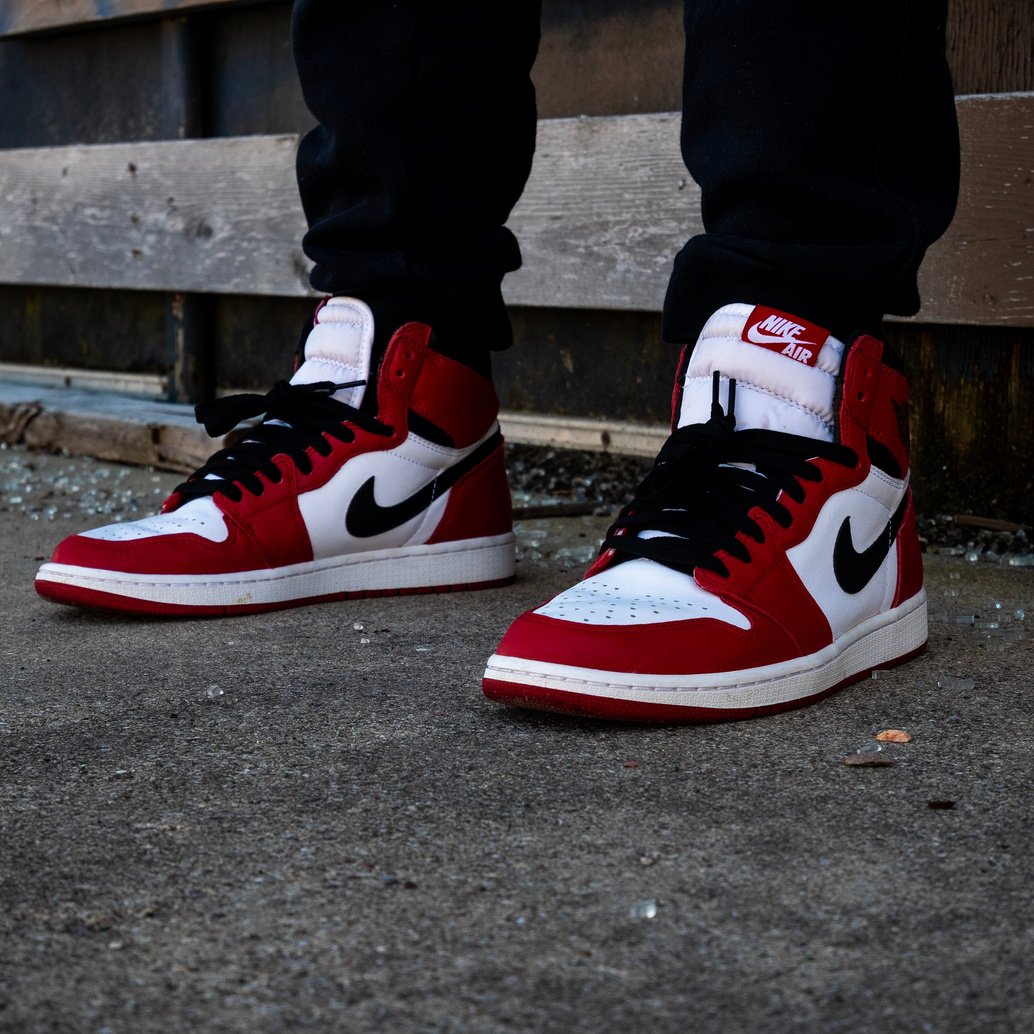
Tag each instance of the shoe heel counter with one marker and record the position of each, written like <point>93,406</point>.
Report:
<point>454,398</point>
<point>910,559</point>
<point>875,398</point>
<point>479,504</point>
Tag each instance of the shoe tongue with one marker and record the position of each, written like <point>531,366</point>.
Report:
<point>339,348</point>
<point>785,370</point>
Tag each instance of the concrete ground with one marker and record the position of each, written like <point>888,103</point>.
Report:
<point>313,820</point>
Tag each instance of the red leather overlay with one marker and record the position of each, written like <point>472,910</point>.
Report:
<point>164,554</point>
<point>769,591</point>
<point>449,394</point>
<point>479,504</point>
<point>679,387</point>
<point>455,398</point>
<point>910,560</point>
<point>272,520</point>
<point>875,397</point>
<point>668,648</point>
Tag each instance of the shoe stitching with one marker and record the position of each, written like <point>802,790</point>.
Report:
<point>333,362</point>
<point>793,403</point>
<point>887,479</point>
<point>876,499</point>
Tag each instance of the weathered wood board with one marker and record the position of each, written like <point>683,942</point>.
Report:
<point>114,426</point>
<point>982,270</point>
<point>610,203</point>
<point>194,215</point>
<point>607,206</point>
<point>108,426</point>
<point>18,17</point>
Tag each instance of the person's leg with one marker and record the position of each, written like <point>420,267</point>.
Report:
<point>425,138</point>
<point>379,468</point>
<point>823,138</point>
<point>771,556</point>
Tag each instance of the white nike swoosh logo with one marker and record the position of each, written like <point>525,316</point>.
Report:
<point>760,338</point>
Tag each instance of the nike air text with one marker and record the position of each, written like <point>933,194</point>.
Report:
<point>786,334</point>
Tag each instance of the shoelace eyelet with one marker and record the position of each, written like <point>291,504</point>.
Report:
<point>298,418</point>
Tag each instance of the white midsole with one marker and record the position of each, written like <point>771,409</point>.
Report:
<point>877,640</point>
<point>465,562</point>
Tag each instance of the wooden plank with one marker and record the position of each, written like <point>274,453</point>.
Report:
<point>982,270</point>
<point>181,111</point>
<point>27,377</point>
<point>991,46</point>
<point>182,215</point>
<point>586,435</point>
<point>607,206</point>
<point>20,17</point>
<point>108,426</point>
<point>85,421</point>
<point>599,227</point>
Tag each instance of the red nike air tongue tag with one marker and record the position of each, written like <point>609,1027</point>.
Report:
<point>786,334</point>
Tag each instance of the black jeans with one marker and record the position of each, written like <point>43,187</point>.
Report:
<point>822,135</point>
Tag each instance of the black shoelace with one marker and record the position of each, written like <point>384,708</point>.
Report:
<point>698,497</point>
<point>304,413</point>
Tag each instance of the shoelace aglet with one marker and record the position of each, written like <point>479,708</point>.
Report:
<point>716,406</point>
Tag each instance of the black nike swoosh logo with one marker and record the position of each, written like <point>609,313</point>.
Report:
<point>855,570</point>
<point>365,517</point>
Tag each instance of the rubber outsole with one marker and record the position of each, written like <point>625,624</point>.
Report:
<point>884,641</point>
<point>74,596</point>
<point>581,705</point>
<point>443,567</point>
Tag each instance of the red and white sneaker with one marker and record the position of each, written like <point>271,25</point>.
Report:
<point>769,558</point>
<point>325,499</point>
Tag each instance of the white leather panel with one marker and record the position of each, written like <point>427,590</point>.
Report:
<point>198,517</point>
<point>639,592</point>
<point>397,475</point>
<point>756,407</point>
<point>339,348</point>
<point>870,507</point>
